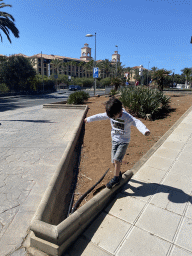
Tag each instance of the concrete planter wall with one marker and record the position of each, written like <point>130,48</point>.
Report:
<point>52,231</point>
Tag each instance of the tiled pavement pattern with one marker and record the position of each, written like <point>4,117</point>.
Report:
<point>152,215</point>
<point>32,141</point>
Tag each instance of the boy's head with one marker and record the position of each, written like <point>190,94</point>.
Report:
<point>113,107</point>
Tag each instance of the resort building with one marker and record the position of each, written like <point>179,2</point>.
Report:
<point>47,65</point>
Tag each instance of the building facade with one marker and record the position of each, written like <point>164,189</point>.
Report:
<point>48,65</point>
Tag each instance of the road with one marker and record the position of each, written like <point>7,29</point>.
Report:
<point>15,102</point>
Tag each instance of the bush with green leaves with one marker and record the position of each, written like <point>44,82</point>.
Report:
<point>3,88</point>
<point>78,97</point>
<point>142,101</point>
<point>113,92</point>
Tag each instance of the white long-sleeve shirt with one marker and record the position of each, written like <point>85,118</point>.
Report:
<point>120,127</point>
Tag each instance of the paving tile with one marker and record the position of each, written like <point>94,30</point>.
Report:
<point>178,251</point>
<point>150,174</point>
<point>160,163</point>
<point>142,243</point>
<point>159,222</point>
<point>178,181</point>
<point>84,247</point>
<point>30,204</point>
<point>166,152</point>
<point>171,200</point>
<point>20,252</point>
<point>189,210</point>
<point>184,238</point>
<point>188,119</point>
<point>139,189</point>
<point>179,136</point>
<point>189,143</point>
<point>107,232</point>
<point>185,157</point>
<point>173,144</point>
<point>186,125</point>
<point>126,208</point>
<point>181,168</point>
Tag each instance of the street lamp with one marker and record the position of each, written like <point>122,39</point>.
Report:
<point>141,73</point>
<point>116,59</point>
<point>90,35</point>
<point>148,73</point>
<point>173,75</point>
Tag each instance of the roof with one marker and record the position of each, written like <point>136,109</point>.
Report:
<point>138,67</point>
<point>52,57</point>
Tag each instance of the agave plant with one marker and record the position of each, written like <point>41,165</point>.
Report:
<point>142,101</point>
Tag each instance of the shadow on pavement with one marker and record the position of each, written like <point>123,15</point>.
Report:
<point>175,195</point>
<point>31,121</point>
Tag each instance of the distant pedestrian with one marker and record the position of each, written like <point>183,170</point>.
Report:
<point>121,122</point>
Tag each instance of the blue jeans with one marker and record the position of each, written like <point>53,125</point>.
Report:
<point>118,151</point>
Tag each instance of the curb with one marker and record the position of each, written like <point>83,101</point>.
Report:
<point>55,239</point>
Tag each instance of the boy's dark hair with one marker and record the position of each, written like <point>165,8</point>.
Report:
<point>113,107</point>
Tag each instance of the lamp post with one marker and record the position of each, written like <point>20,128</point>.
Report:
<point>90,35</point>
<point>116,59</point>
<point>148,73</point>
<point>141,73</point>
<point>173,75</point>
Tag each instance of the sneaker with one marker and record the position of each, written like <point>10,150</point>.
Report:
<point>113,182</point>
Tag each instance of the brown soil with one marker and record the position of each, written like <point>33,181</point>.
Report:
<point>96,151</point>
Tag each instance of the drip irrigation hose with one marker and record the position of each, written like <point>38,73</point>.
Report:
<point>86,193</point>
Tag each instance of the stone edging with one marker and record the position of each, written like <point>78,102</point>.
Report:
<point>54,240</point>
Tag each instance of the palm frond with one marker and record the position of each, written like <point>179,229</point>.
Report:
<point>7,23</point>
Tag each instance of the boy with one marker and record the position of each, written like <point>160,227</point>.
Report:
<point>121,122</point>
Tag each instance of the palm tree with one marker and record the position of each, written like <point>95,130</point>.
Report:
<point>7,23</point>
<point>187,72</point>
<point>159,75</point>
<point>56,63</point>
<point>89,67</point>
<point>154,69</point>
<point>63,67</point>
<point>81,67</point>
<point>120,69</point>
<point>116,81</point>
<point>106,66</point>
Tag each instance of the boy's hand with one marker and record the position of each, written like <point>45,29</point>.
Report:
<point>85,120</point>
<point>147,133</point>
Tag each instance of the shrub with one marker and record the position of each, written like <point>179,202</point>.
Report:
<point>78,97</point>
<point>113,92</point>
<point>3,88</point>
<point>142,101</point>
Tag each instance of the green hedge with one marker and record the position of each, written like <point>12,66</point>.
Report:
<point>78,97</point>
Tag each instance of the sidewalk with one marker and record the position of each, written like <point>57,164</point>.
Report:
<point>32,142</point>
<point>152,214</point>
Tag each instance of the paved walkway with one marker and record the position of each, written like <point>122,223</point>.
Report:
<point>152,215</point>
<point>32,141</point>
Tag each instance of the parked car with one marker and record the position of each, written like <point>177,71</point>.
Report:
<point>78,87</point>
<point>71,87</point>
<point>74,87</point>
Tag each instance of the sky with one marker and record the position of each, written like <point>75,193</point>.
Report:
<point>152,33</point>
